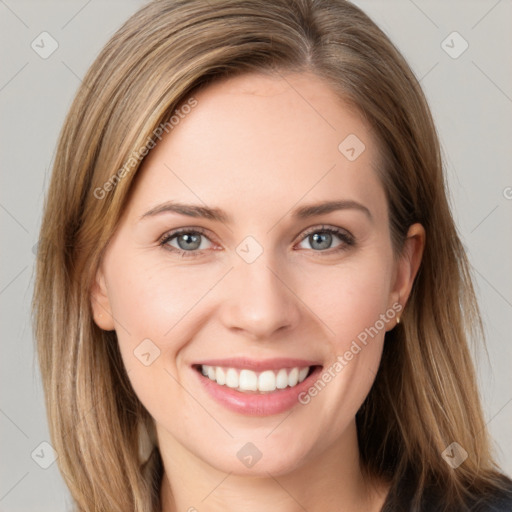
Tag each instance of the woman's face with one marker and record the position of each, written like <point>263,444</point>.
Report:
<point>279,288</point>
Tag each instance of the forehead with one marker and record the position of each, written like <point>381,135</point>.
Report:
<point>263,142</point>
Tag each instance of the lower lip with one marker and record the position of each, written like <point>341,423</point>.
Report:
<point>257,404</point>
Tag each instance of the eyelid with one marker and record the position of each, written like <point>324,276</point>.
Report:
<point>326,227</point>
<point>188,229</point>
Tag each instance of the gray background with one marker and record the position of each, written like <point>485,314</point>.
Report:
<point>471,100</point>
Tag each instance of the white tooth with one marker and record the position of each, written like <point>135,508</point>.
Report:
<point>232,378</point>
<point>220,376</point>
<point>293,377</point>
<point>267,381</point>
<point>248,381</point>
<point>303,374</point>
<point>281,379</point>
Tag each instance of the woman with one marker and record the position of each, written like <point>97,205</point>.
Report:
<point>301,342</point>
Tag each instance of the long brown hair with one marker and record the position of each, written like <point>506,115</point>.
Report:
<point>425,395</point>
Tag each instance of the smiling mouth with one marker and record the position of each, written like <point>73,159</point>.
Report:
<point>249,381</point>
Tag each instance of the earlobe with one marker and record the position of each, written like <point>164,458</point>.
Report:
<point>409,264</point>
<point>100,303</point>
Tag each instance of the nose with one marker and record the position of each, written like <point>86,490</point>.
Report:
<point>260,300</point>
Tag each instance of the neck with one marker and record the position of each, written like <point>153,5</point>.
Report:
<point>332,480</point>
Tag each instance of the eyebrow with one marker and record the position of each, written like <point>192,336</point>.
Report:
<point>192,210</point>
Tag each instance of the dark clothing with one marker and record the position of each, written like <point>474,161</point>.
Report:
<point>400,500</point>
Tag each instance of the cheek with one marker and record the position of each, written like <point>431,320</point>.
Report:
<point>350,298</point>
<point>352,303</point>
<point>154,301</point>
<point>147,306</point>
<point>157,310</point>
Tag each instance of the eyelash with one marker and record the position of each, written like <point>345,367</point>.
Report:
<point>346,239</point>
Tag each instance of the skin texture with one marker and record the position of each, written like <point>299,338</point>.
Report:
<point>257,147</point>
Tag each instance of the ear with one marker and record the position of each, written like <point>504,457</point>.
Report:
<point>100,303</point>
<point>407,265</point>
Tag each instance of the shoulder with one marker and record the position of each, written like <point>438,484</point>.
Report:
<point>496,500</point>
<point>400,499</point>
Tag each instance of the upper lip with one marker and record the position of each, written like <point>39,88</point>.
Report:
<point>258,364</point>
